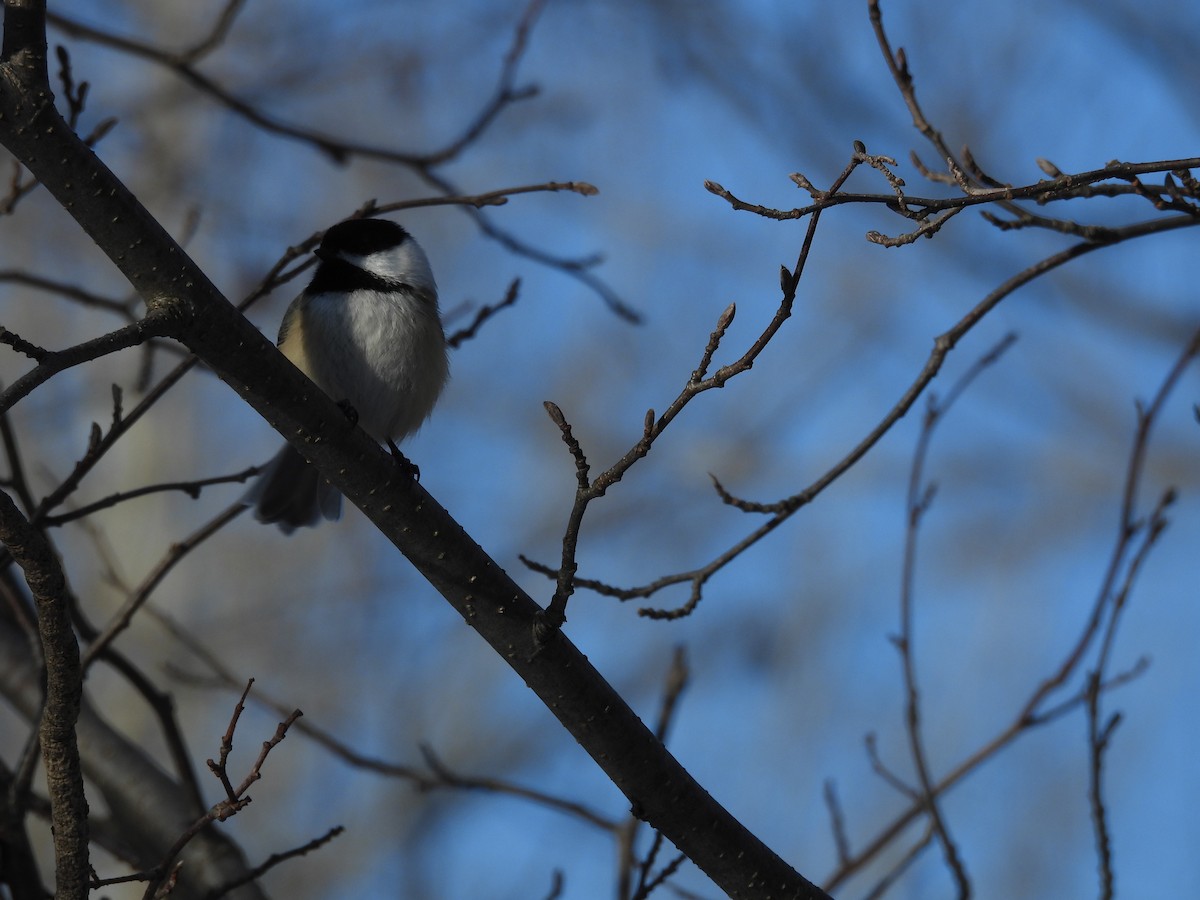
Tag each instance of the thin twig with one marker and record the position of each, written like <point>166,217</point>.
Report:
<point>173,556</point>
<point>1037,709</point>
<point>837,820</point>
<point>439,777</point>
<point>220,31</point>
<point>698,383</point>
<point>781,510</point>
<point>443,777</point>
<point>191,488</point>
<point>275,859</point>
<point>234,801</point>
<point>917,504</point>
<point>69,291</point>
<point>1079,185</point>
<point>484,313</point>
<point>97,450</point>
<point>340,149</point>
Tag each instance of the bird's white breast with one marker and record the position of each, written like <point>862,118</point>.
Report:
<point>383,352</point>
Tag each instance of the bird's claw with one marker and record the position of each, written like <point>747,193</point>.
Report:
<point>406,466</point>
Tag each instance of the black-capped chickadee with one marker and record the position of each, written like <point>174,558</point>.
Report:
<point>366,331</point>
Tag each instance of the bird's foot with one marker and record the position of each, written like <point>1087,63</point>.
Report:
<point>406,466</point>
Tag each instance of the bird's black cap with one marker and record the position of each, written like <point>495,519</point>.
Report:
<point>362,237</point>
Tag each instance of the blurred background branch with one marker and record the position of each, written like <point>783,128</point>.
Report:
<point>211,113</point>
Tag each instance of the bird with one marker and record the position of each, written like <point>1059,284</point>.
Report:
<point>366,330</point>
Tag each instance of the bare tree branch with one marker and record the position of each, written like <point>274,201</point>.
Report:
<point>920,495</point>
<point>63,693</point>
<point>1042,705</point>
<point>781,510</point>
<point>340,150</point>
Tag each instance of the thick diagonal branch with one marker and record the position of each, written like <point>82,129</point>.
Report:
<point>658,787</point>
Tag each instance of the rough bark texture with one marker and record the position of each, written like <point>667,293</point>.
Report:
<point>64,690</point>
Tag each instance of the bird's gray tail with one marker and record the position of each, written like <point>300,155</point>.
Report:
<point>292,494</point>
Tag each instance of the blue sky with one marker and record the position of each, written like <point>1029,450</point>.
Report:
<point>791,660</point>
